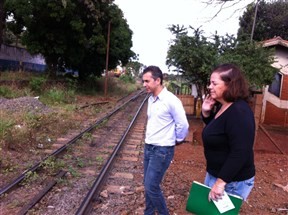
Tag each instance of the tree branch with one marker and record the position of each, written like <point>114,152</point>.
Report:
<point>223,6</point>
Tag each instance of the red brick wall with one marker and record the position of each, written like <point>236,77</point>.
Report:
<point>284,91</point>
<point>275,115</point>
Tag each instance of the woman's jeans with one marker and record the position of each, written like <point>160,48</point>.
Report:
<point>156,161</point>
<point>239,188</point>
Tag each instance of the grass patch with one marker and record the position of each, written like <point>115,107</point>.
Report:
<point>56,96</point>
<point>5,125</point>
<point>12,91</point>
<point>23,131</point>
<point>18,75</point>
<point>36,84</point>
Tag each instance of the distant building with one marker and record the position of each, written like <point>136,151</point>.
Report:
<point>15,58</point>
<point>275,100</point>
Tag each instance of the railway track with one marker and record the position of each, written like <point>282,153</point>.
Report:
<point>89,155</point>
<point>122,179</point>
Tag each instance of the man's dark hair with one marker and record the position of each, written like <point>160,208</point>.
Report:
<point>235,81</point>
<point>155,71</point>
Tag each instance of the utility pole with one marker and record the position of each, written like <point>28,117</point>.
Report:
<point>254,21</point>
<point>107,60</point>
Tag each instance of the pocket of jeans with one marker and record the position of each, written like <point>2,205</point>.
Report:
<point>163,153</point>
<point>249,182</point>
<point>230,187</point>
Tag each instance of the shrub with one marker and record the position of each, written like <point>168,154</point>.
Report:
<point>127,79</point>
<point>58,96</point>
<point>5,125</point>
<point>6,92</point>
<point>36,84</point>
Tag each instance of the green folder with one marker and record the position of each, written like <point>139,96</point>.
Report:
<point>199,204</point>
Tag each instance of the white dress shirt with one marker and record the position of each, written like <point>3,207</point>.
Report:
<point>167,121</point>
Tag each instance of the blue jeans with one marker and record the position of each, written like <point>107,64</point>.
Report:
<point>156,161</point>
<point>239,188</point>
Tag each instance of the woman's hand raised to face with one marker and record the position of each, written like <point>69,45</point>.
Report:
<point>207,105</point>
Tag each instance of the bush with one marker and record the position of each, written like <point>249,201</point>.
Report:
<point>6,92</point>
<point>5,125</point>
<point>36,84</point>
<point>127,79</point>
<point>58,96</point>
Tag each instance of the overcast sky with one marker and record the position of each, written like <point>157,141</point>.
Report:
<point>149,20</point>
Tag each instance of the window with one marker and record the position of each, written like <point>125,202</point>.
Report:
<point>275,87</point>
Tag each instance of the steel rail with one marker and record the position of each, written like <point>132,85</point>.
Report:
<point>16,181</point>
<point>41,194</point>
<point>85,206</point>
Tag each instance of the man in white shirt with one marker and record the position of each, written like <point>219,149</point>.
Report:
<point>167,125</point>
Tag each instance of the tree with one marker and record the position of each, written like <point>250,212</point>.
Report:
<point>134,67</point>
<point>271,21</point>
<point>72,33</point>
<point>224,4</point>
<point>2,21</point>
<point>254,60</point>
<point>193,56</point>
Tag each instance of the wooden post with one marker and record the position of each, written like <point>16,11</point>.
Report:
<point>107,59</point>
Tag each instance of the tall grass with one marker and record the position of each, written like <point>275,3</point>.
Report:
<point>18,75</point>
<point>5,125</point>
<point>36,84</point>
<point>11,92</point>
<point>56,96</point>
<point>6,92</point>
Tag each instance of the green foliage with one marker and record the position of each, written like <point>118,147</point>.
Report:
<point>271,21</point>
<point>72,84</point>
<point>58,96</point>
<point>49,163</point>
<point>127,78</point>
<point>134,67</point>
<point>9,168</point>
<point>33,120</point>
<point>73,172</point>
<point>80,162</point>
<point>92,85</point>
<point>18,75</point>
<point>11,92</point>
<point>6,92</point>
<point>55,96</point>
<point>5,125</point>
<point>2,18</point>
<point>99,159</point>
<point>52,165</point>
<point>74,35</point>
<point>87,136</point>
<point>30,176</point>
<point>36,84</point>
<point>195,57</point>
<point>254,60</point>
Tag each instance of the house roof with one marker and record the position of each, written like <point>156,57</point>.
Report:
<point>275,41</point>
